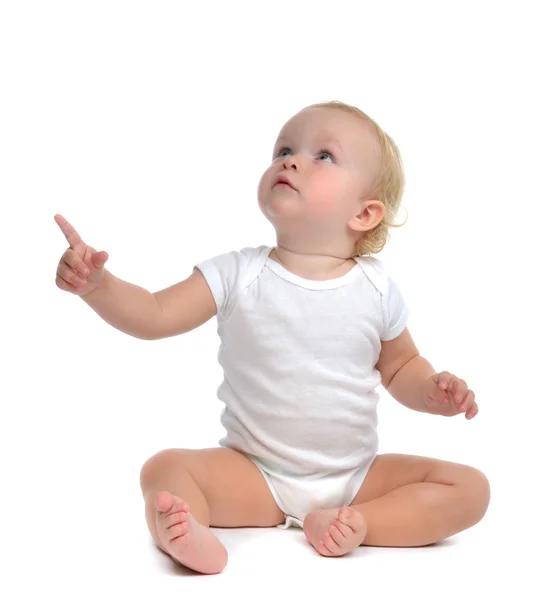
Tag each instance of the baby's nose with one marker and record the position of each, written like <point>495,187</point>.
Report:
<point>291,162</point>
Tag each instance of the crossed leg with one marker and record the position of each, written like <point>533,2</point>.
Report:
<point>404,501</point>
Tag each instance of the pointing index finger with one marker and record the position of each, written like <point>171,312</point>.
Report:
<point>69,231</point>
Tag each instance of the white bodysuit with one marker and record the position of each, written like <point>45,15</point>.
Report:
<point>299,386</point>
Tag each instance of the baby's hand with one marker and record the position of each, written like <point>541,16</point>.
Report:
<point>80,269</point>
<point>449,396</point>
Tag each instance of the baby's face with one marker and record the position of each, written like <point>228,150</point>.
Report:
<point>332,160</point>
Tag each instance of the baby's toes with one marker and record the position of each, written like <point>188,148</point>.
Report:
<point>337,532</point>
<point>174,519</point>
<point>329,544</point>
<point>166,503</point>
<point>354,521</point>
<point>343,529</point>
<point>177,531</point>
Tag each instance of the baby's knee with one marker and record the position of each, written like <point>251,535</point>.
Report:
<point>477,489</point>
<point>156,465</point>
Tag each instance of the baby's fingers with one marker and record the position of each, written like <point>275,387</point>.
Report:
<point>71,235</point>
<point>442,380</point>
<point>472,412</point>
<point>460,391</point>
<point>72,259</point>
<point>68,279</point>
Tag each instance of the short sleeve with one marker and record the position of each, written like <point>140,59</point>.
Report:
<point>395,311</point>
<point>223,273</point>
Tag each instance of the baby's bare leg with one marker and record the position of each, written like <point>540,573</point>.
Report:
<point>217,487</point>
<point>182,533</point>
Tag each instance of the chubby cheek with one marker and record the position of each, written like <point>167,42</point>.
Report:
<point>324,203</point>
<point>324,200</point>
<point>264,183</point>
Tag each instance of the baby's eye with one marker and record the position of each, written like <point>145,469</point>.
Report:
<point>323,152</point>
<point>326,153</point>
<point>283,150</point>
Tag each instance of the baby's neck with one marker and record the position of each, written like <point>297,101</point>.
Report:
<point>312,266</point>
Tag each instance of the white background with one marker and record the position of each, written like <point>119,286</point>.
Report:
<point>148,126</point>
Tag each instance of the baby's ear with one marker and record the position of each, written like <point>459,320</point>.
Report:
<point>372,213</point>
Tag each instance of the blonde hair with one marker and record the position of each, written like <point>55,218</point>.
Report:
<point>388,189</point>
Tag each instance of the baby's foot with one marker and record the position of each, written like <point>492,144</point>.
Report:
<point>332,533</point>
<point>186,540</point>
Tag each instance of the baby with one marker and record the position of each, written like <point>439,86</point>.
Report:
<point>309,329</point>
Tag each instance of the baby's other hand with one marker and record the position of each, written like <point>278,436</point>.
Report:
<point>448,395</point>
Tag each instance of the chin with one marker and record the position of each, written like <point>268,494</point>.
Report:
<point>272,207</point>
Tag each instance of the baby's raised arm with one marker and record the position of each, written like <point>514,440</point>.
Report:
<point>137,312</point>
<point>128,307</point>
<point>184,306</point>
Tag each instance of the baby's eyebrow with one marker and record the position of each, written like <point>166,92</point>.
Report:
<point>332,142</point>
<point>328,141</point>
